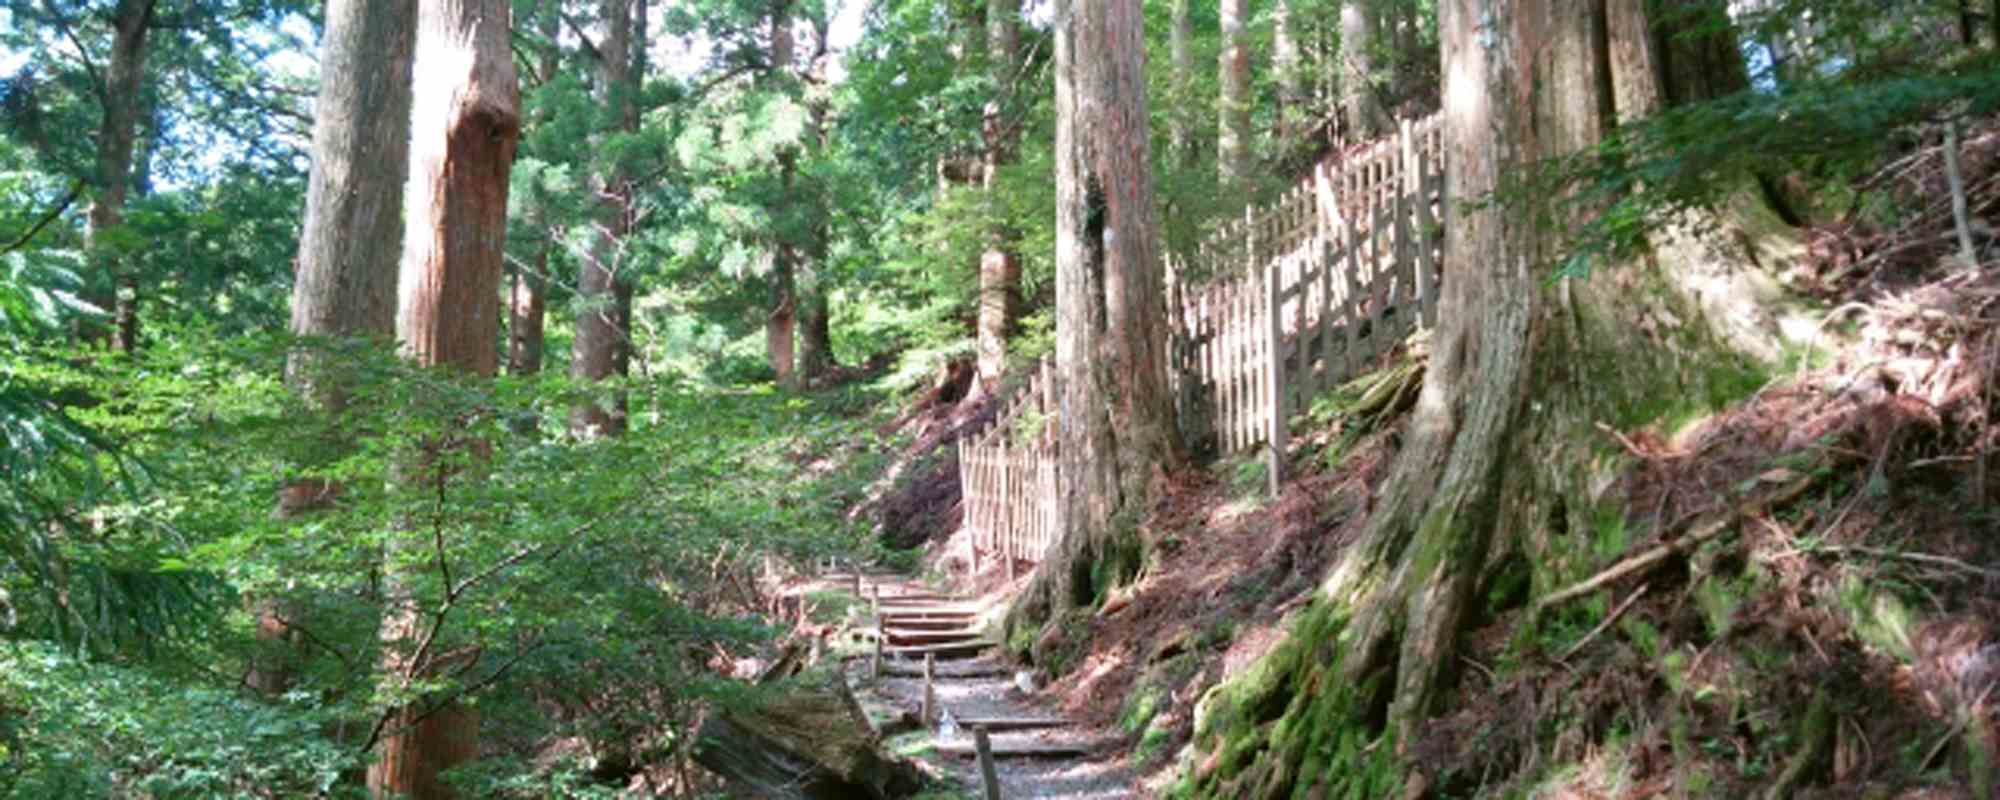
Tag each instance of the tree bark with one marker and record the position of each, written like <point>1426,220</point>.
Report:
<point>464,132</point>
<point>1116,430</point>
<point>1233,141</point>
<point>528,316</point>
<point>603,325</point>
<point>1360,98</point>
<point>350,239</point>
<point>350,242</point>
<point>527,304</point>
<point>131,22</point>
<point>999,267</point>
<point>781,321</point>
<point>1286,66</point>
<point>1181,50</point>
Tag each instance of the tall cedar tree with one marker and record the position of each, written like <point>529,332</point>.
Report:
<point>115,287</point>
<point>1360,98</point>
<point>1116,427</point>
<point>528,298</point>
<point>781,321</point>
<point>1232,147</point>
<point>464,133</point>
<point>349,242</point>
<point>999,266</point>
<point>600,350</point>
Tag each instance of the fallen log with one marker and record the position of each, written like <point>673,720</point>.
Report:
<point>805,738</point>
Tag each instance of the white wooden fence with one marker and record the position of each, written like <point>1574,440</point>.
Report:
<point>1272,309</point>
<point>1307,292</point>
<point>1007,476</point>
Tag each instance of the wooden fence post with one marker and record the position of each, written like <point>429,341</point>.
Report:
<point>929,711</point>
<point>1274,377</point>
<point>988,776</point>
<point>1007,501</point>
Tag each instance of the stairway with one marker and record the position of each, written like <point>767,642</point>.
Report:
<point>1037,753</point>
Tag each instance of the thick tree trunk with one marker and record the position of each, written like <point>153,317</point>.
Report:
<point>1232,145</point>
<point>131,22</point>
<point>603,325</point>
<point>464,133</point>
<point>1117,430</point>
<point>350,242</point>
<point>999,268</point>
<point>1360,98</point>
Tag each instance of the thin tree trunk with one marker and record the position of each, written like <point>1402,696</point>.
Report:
<point>527,304</point>
<point>781,322</point>
<point>1233,141</point>
<point>1360,98</point>
<point>464,132</point>
<point>1286,65</point>
<point>603,329</point>
<point>1181,51</point>
<point>131,22</point>
<point>1117,429</point>
<point>999,268</point>
<point>528,316</point>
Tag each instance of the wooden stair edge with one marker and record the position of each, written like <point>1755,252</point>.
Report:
<point>1004,724</point>
<point>965,749</point>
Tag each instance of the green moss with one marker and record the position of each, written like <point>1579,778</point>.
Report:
<point>1290,726</point>
<point>1878,617</point>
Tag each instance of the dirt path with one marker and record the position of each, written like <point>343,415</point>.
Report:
<point>1037,753</point>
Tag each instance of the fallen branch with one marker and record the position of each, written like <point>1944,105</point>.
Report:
<point>1901,555</point>
<point>1965,718</point>
<point>1703,532</point>
<point>1608,619</point>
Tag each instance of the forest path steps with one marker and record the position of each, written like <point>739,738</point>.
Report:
<point>1037,752</point>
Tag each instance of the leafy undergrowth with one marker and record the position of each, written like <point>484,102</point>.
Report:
<point>596,596</point>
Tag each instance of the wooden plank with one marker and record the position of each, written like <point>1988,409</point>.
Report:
<point>967,669</point>
<point>899,635</point>
<point>966,749</point>
<point>1274,382</point>
<point>1328,316</point>
<point>1351,319</point>
<point>970,647</point>
<point>1004,724</point>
